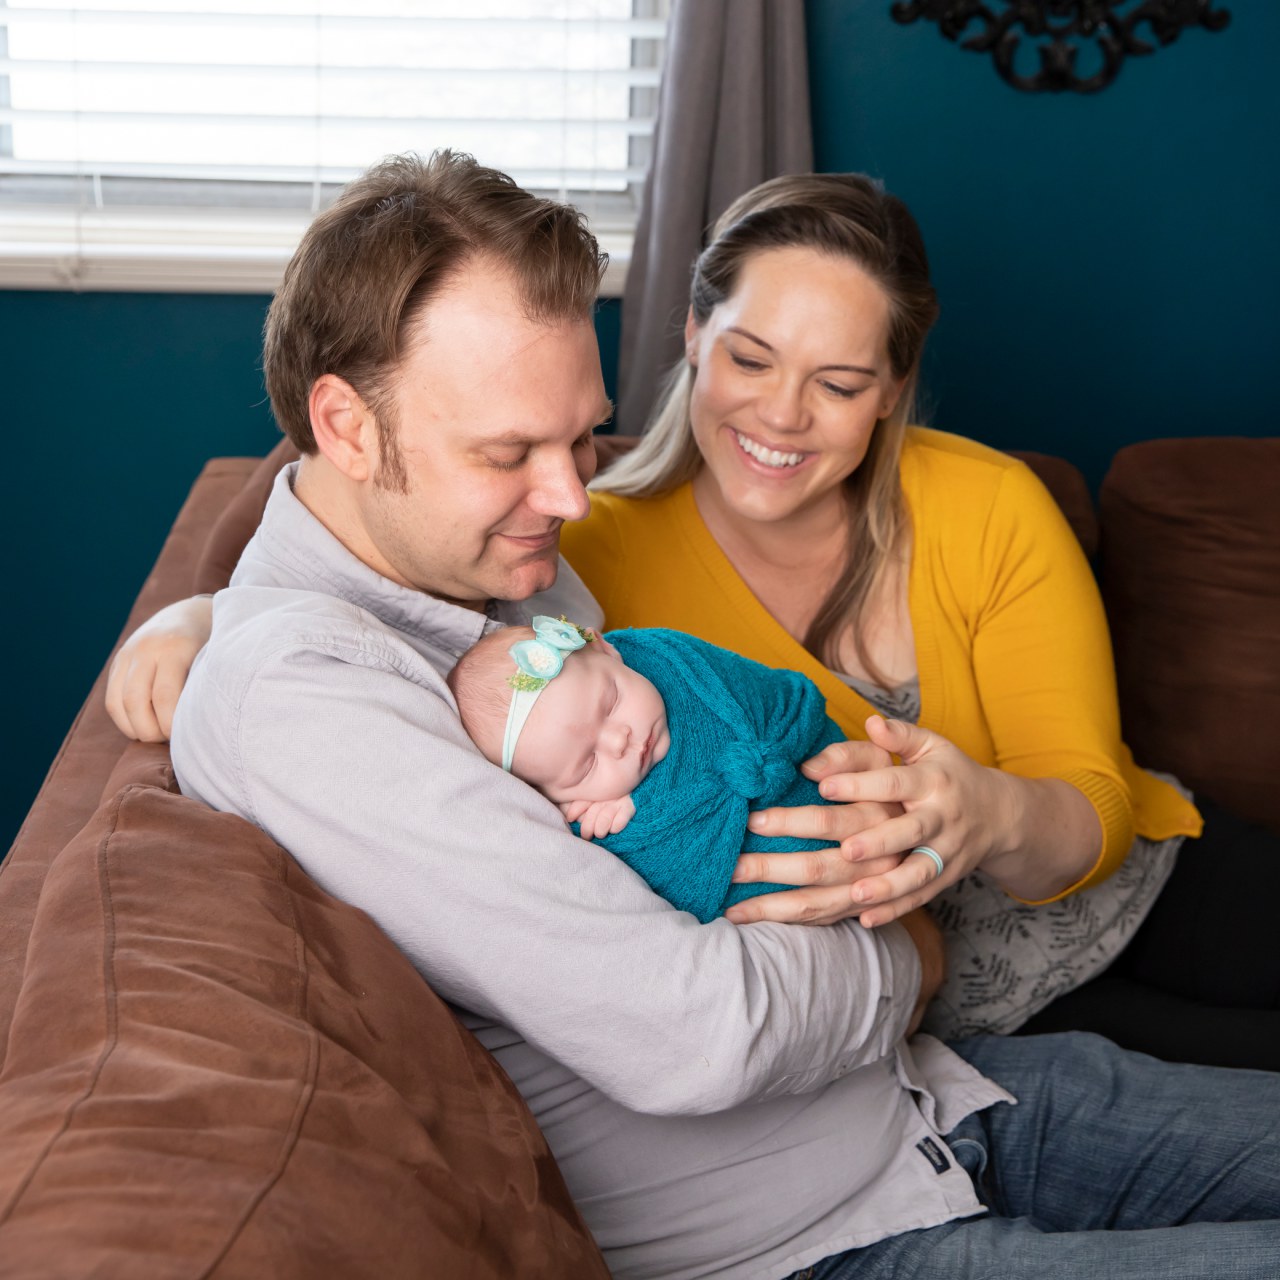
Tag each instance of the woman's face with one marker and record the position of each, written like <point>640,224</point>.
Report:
<point>792,376</point>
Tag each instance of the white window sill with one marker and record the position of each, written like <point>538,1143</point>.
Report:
<point>140,252</point>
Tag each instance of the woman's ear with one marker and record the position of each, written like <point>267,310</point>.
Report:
<point>344,427</point>
<point>691,332</point>
<point>892,394</point>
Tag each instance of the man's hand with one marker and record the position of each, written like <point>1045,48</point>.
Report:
<point>151,667</point>
<point>599,818</point>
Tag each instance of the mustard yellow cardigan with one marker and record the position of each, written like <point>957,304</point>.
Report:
<point>1012,648</point>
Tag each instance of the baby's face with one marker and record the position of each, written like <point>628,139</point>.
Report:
<point>595,731</point>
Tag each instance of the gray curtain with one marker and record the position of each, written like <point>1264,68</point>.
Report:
<point>733,110</point>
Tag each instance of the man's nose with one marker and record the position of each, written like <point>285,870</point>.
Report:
<point>558,490</point>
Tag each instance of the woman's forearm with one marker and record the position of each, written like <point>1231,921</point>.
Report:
<point>1051,841</point>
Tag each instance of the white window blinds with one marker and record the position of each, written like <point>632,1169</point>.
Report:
<point>202,136</point>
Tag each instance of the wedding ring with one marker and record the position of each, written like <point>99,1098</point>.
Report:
<point>933,855</point>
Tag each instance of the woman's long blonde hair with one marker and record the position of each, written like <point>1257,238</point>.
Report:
<point>846,215</point>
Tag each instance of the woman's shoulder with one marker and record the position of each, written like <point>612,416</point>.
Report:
<point>964,496</point>
<point>940,470</point>
<point>926,447</point>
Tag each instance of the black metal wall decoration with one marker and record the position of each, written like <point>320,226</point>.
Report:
<point>1054,25</point>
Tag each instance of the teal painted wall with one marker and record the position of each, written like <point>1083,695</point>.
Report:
<point>1107,264</point>
<point>114,403</point>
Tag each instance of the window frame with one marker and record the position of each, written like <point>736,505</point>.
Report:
<point>188,245</point>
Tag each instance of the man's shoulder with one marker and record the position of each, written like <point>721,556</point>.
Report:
<point>289,681</point>
<point>257,629</point>
<point>263,615</point>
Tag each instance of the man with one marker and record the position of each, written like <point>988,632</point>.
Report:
<point>722,1101</point>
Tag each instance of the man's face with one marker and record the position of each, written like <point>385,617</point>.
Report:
<point>493,415</point>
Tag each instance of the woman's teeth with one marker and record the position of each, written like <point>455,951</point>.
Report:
<point>770,457</point>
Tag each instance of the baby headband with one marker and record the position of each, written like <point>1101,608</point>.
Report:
<point>538,662</point>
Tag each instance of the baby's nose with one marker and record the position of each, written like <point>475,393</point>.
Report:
<point>617,738</point>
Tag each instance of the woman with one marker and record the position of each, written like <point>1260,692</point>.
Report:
<point>780,505</point>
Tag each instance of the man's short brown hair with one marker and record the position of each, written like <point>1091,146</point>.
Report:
<point>370,262</point>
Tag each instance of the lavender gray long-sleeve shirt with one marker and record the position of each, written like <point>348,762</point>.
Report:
<point>723,1101</point>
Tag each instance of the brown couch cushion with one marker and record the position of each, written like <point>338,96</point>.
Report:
<point>1191,577</point>
<point>216,1069</point>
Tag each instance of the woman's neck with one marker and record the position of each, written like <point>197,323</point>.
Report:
<point>792,565</point>
<point>814,536</point>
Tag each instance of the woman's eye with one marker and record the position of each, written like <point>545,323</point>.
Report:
<point>842,393</point>
<point>745,362</point>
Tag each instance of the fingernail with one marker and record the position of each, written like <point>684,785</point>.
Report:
<point>757,822</point>
<point>826,789</point>
<point>860,894</point>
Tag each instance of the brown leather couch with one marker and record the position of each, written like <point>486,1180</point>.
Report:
<point>212,1068</point>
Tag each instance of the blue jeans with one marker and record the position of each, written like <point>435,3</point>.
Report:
<point>1112,1164</point>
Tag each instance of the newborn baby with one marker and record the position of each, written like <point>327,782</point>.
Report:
<point>653,743</point>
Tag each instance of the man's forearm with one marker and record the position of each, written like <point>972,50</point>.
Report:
<point>924,932</point>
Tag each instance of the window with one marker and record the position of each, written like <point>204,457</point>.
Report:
<point>186,144</point>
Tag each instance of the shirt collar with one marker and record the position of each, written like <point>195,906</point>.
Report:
<point>294,549</point>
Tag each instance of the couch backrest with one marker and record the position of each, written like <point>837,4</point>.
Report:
<point>1190,570</point>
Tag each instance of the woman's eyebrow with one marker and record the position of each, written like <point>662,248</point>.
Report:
<point>751,337</point>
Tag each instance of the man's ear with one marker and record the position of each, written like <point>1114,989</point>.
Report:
<point>344,426</point>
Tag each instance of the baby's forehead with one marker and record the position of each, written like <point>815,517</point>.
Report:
<point>588,666</point>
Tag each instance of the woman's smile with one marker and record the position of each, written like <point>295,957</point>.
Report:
<point>772,458</point>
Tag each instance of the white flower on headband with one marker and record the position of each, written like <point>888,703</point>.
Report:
<point>538,661</point>
<point>541,659</point>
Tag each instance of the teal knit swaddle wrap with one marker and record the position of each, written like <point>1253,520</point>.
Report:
<point>738,732</point>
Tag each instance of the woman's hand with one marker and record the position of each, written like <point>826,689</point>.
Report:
<point>1034,836</point>
<point>148,673</point>
<point>948,802</point>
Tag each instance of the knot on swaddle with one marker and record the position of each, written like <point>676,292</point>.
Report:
<point>749,770</point>
<point>738,732</point>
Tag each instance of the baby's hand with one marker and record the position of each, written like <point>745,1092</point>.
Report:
<point>599,818</point>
